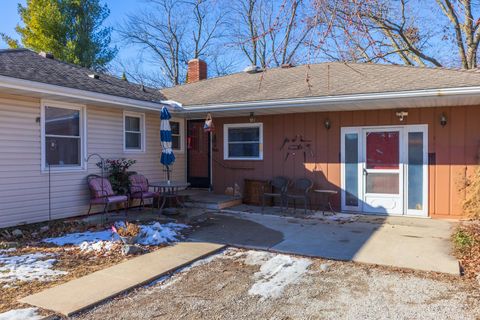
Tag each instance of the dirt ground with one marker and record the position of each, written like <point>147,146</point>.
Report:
<point>221,288</point>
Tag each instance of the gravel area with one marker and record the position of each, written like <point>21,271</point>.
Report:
<point>226,286</point>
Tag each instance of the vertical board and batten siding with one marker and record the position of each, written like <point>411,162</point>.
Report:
<point>454,148</point>
<point>24,188</point>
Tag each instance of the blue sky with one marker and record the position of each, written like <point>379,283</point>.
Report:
<point>119,9</point>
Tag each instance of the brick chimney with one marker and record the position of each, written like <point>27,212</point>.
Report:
<point>197,70</point>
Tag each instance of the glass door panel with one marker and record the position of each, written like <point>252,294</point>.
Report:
<point>383,171</point>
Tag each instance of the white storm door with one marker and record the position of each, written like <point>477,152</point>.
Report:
<point>383,170</point>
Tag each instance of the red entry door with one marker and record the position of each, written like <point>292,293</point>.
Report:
<point>198,154</point>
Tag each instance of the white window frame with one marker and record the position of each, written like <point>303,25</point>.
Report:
<point>242,125</point>
<point>141,116</point>
<point>83,136</point>
<point>181,134</point>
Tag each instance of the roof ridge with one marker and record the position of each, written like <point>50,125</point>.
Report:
<point>9,50</point>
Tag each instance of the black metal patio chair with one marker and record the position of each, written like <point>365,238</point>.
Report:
<point>300,191</point>
<point>279,187</point>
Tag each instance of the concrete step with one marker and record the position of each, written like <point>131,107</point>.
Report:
<point>219,205</point>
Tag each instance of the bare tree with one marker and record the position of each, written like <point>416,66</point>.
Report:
<point>270,33</point>
<point>398,32</point>
<point>172,32</point>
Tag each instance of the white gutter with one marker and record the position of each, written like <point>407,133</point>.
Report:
<point>50,89</point>
<point>318,101</point>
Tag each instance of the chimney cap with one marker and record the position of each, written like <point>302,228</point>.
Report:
<point>47,55</point>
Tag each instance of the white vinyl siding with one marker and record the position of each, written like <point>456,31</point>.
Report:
<point>24,188</point>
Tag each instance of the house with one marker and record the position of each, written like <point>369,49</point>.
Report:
<point>53,115</point>
<point>391,139</point>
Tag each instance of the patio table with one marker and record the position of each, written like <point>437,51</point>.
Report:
<point>169,190</point>
<point>327,194</point>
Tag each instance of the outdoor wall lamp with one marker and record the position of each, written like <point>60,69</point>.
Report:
<point>252,117</point>
<point>443,120</point>
<point>401,115</point>
<point>327,124</point>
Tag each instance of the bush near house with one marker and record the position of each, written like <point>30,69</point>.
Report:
<point>118,174</point>
<point>466,240</point>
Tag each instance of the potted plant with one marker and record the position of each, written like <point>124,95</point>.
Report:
<point>129,233</point>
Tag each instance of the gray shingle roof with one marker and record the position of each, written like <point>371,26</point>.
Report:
<point>316,80</point>
<point>28,65</point>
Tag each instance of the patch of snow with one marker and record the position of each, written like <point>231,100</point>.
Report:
<point>28,267</point>
<point>157,233</point>
<point>8,250</point>
<point>96,246</point>
<point>78,238</point>
<point>95,241</point>
<point>21,314</point>
<point>276,272</point>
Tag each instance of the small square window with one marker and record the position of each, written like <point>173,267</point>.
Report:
<point>243,141</point>
<point>176,135</point>
<point>134,132</point>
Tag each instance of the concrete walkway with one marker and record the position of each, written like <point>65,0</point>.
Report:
<point>421,244</point>
<point>82,293</point>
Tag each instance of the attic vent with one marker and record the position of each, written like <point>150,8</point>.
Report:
<point>47,55</point>
<point>252,69</point>
<point>94,76</point>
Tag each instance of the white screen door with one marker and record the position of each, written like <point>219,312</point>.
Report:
<point>383,171</point>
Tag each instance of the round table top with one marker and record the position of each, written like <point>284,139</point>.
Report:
<point>171,184</point>
<point>325,191</point>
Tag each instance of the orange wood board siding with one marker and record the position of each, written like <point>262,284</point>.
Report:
<point>455,146</point>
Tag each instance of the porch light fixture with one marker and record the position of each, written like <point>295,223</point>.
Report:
<point>327,124</point>
<point>252,117</point>
<point>443,120</point>
<point>401,115</point>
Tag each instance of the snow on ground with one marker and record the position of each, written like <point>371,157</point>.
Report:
<point>21,314</point>
<point>276,272</point>
<point>151,234</point>
<point>28,267</point>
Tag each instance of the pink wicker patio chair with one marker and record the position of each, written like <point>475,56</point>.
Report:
<point>101,193</point>
<point>139,189</point>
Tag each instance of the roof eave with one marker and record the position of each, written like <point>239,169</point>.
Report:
<point>54,90</point>
<point>329,100</point>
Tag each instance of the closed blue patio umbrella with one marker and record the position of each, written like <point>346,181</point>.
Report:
<point>167,157</point>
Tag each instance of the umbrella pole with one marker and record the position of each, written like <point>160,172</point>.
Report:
<point>168,174</point>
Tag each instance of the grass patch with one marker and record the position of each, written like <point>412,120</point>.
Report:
<point>466,241</point>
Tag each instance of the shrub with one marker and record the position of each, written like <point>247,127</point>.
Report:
<point>118,174</point>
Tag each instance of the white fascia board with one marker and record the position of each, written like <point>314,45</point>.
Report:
<point>327,100</point>
<point>39,87</point>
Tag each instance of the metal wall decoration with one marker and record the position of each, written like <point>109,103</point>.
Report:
<point>297,146</point>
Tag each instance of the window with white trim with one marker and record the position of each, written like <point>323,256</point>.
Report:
<point>63,135</point>
<point>134,131</point>
<point>243,141</point>
<point>177,129</point>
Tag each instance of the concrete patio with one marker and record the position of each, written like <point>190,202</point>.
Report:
<point>421,244</point>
